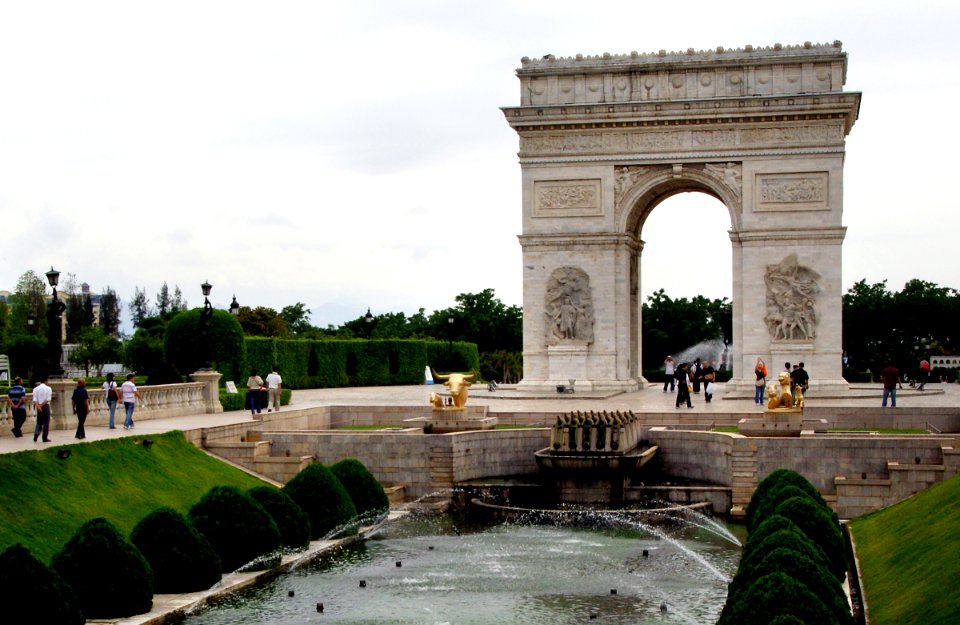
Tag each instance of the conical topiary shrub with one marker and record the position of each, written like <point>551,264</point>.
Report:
<point>321,495</point>
<point>238,528</point>
<point>109,576</point>
<point>773,482</point>
<point>291,520</point>
<point>181,557</point>
<point>365,491</point>
<point>32,592</point>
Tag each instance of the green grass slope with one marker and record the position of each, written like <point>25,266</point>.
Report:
<point>910,558</point>
<point>43,500</point>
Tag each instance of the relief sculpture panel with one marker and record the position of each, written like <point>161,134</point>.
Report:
<point>791,300</point>
<point>568,307</point>
<point>800,191</point>
<point>567,198</point>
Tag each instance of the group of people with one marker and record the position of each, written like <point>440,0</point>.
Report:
<point>42,394</point>
<point>255,388</point>
<point>687,378</point>
<point>798,377</point>
<point>890,376</point>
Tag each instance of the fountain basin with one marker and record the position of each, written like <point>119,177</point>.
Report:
<point>593,462</point>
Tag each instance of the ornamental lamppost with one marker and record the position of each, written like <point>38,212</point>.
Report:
<point>205,316</point>
<point>368,318</point>
<point>54,327</point>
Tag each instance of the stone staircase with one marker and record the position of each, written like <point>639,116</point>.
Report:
<point>255,455</point>
<point>743,468</point>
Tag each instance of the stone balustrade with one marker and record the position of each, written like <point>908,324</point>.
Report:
<point>156,402</point>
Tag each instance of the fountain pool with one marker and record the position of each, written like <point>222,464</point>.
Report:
<point>444,570</point>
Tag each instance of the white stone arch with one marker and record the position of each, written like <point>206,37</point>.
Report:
<point>605,139</point>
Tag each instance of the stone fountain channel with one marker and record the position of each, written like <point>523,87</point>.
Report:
<point>588,558</point>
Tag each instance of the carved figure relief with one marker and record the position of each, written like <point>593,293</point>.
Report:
<point>567,198</point>
<point>791,296</point>
<point>568,307</point>
<point>626,177</point>
<point>729,173</point>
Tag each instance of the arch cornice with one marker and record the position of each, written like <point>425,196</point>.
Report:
<point>662,181</point>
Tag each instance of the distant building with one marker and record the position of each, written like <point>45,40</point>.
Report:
<point>945,362</point>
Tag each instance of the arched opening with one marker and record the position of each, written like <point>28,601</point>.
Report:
<point>686,255</point>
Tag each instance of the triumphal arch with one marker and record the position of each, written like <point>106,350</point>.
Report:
<point>605,139</point>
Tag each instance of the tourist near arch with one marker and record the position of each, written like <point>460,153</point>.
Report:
<point>605,139</point>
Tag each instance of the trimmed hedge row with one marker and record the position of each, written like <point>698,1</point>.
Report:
<point>354,362</point>
<point>101,575</point>
<point>794,560</point>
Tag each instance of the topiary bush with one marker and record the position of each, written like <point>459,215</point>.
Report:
<point>365,490</point>
<point>775,595</point>
<point>811,574</point>
<point>321,495</point>
<point>291,520</point>
<point>238,528</point>
<point>792,539</point>
<point>774,497</point>
<point>774,481</point>
<point>820,527</point>
<point>32,592</point>
<point>183,346</point>
<point>181,557</point>
<point>108,575</point>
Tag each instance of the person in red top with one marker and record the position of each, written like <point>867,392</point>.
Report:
<point>890,377</point>
<point>924,374</point>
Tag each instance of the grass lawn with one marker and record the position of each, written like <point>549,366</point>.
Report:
<point>44,500</point>
<point>910,558</point>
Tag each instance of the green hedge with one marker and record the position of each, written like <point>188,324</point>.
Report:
<point>353,362</point>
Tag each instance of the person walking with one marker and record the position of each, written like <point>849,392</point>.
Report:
<point>17,396</point>
<point>254,386</point>
<point>81,406</point>
<point>924,374</point>
<point>890,377</point>
<point>683,385</point>
<point>760,370</point>
<point>669,369</point>
<point>42,394</point>
<point>274,384</point>
<point>708,374</point>
<point>130,395</point>
<point>695,375</point>
<point>112,394</point>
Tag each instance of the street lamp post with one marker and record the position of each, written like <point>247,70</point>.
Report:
<point>450,338</point>
<point>54,326</point>
<point>368,318</point>
<point>205,316</point>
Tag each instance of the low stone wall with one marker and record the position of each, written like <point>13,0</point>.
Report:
<point>853,417</point>
<point>694,455</point>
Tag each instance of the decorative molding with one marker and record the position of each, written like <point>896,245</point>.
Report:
<point>567,198</point>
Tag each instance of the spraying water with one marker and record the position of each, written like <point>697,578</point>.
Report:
<point>712,351</point>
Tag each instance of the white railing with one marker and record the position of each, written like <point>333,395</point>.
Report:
<point>156,402</point>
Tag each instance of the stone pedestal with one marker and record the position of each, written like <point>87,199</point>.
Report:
<point>61,408</point>
<point>568,361</point>
<point>778,422</point>
<point>211,389</point>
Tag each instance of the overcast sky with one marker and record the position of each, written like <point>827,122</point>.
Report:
<point>353,154</point>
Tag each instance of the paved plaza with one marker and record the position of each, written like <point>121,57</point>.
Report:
<point>505,399</point>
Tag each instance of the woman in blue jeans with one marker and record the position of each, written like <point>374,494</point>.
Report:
<point>112,398</point>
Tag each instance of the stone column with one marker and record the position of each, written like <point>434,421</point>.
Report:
<point>61,408</point>
<point>211,389</point>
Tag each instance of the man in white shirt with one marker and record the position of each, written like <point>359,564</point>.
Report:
<point>274,384</point>
<point>130,395</point>
<point>42,394</point>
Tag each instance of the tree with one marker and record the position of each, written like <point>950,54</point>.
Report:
<point>184,349</point>
<point>672,325</point>
<point>262,321</point>
<point>177,303</point>
<point>297,318</point>
<point>96,348</point>
<point>139,307</point>
<point>29,299</point>
<point>79,310</point>
<point>110,312</point>
<point>163,300</point>
<point>143,351</point>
